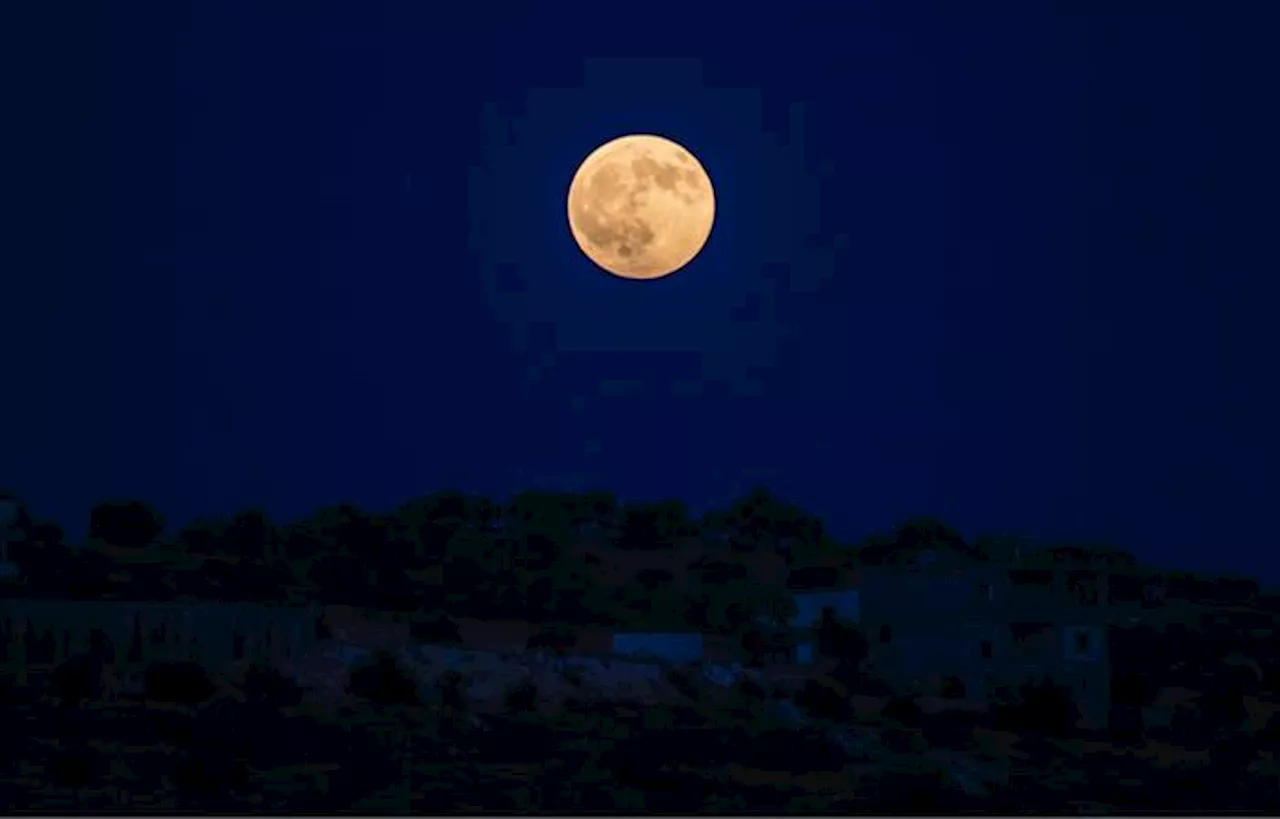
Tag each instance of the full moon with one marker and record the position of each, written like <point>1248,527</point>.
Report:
<point>641,206</point>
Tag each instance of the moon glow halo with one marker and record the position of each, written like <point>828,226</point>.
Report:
<point>641,206</point>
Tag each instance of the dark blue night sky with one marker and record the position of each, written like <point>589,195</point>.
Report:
<point>1009,263</point>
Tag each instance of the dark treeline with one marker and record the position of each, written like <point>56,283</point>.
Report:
<point>579,558</point>
<point>539,555</point>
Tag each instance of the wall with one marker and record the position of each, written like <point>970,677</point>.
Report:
<point>357,626</point>
<point>674,648</point>
<point>897,595</point>
<point>920,656</point>
<point>919,651</point>
<point>513,636</point>
<point>212,633</point>
<point>978,590</point>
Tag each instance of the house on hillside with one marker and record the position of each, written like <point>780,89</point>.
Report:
<point>949,623</point>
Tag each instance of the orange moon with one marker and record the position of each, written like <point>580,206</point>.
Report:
<point>641,206</point>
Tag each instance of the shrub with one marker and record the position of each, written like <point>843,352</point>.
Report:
<point>178,682</point>
<point>869,685</point>
<point>953,688</point>
<point>382,681</point>
<point>1270,732</point>
<point>453,688</point>
<point>682,680</point>
<point>903,741</point>
<point>903,710</point>
<point>788,749</point>
<point>751,690</point>
<point>1046,708</point>
<point>262,684</point>
<point>821,700</point>
<point>522,697</point>
<point>434,627</point>
<point>908,790</point>
<point>950,729</point>
<point>77,679</point>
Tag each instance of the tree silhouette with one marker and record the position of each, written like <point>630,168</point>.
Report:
<point>257,580</point>
<point>537,524</point>
<point>130,524</point>
<point>759,520</point>
<point>332,530</point>
<point>251,535</point>
<point>913,537</point>
<point>340,579</point>
<point>41,552</point>
<point>85,576</point>
<point>424,526</point>
<point>841,640</point>
<point>596,507</point>
<point>203,536</point>
<point>642,528</point>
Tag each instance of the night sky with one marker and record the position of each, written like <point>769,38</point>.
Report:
<point>1008,263</point>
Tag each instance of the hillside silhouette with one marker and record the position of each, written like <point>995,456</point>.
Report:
<point>460,653</point>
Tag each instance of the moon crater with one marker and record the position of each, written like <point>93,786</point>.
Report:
<point>641,207</point>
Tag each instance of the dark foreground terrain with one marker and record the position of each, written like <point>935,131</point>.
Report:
<point>75,739</point>
<point>92,720</point>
